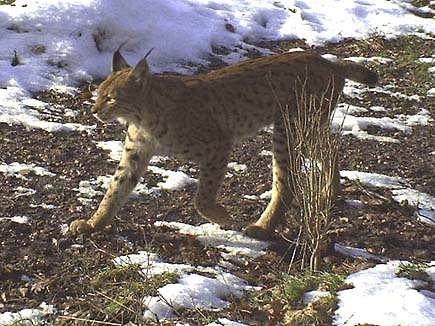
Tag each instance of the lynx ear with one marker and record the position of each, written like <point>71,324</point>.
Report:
<point>142,69</point>
<point>118,62</point>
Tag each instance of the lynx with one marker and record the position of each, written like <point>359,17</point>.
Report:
<point>201,117</point>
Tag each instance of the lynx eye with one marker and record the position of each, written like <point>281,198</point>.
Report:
<point>110,100</point>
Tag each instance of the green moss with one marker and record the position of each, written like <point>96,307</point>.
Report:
<point>413,272</point>
<point>292,290</point>
<point>116,293</point>
<point>420,3</point>
<point>6,2</point>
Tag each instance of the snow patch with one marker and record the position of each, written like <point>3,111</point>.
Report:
<point>18,108</point>
<point>237,167</point>
<point>24,192</point>
<point>235,245</point>
<point>375,179</point>
<point>431,92</point>
<point>17,219</point>
<point>401,192</point>
<point>356,125</point>
<point>89,189</point>
<point>63,43</point>
<point>174,180</point>
<point>152,264</point>
<point>21,170</point>
<point>266,153</point>
<point>380,297</point>
<point>314,295</point>
<point>358,253</point>
<point>381,60</point>
<point>267,195</point>
<point>28,317</point>
<point>225,322</point>
<point>115,147</point>
<point>194,291</point>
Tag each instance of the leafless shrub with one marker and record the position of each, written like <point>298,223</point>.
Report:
<point>313,177</point>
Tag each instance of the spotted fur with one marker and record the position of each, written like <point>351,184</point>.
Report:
<point>201,117</point>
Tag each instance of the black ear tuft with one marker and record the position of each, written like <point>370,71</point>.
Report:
<point>148,53</point>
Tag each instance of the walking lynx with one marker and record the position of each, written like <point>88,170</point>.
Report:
<point>201,117</point>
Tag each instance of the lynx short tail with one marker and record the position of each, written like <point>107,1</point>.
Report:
<point>358,73</point>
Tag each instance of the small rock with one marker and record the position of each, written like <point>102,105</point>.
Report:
<point>15,61</point>
<point>24,292</point>
<point>38,49</point>
<point>229,28</point>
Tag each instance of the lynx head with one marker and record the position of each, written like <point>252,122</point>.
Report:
<point>120,88</point>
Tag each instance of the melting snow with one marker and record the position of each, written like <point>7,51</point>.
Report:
<point>27,317</point>
<point>266,153</point>
<point>78,38</point>
<point>225,322</point>
<point>17,219</point>
<point>357,125</point>
<point>358,253</point>
<point>431,92</point>
<point>89,189</point>
<point>235,245</point>
<point>115,147</point>
<point>379,297</point>
<point>237,167</point>
<point>17,108</point>
<point>174,180</point>
<point>314,295</point>
<point>375,179</point>
<point>266,195</point>
<point>23,191</point>
<point>20,170</point>
<point>152,264</point>
<point>401,192</point>
<point>194,291</point>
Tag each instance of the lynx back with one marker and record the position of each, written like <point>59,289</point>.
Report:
<point>200,118</point>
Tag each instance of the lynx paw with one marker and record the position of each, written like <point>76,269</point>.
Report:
<point>216,214</point>
<point>257,232</point>
<point>81,227</point>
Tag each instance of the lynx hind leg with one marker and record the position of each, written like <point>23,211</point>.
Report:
<point>281,195</point>
<point>212,173</point>
<point>336,184</point>
<point>331,169</point>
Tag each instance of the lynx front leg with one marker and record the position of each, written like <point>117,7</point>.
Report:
<point>281,194</point>
<point>212,173</point>
<point>132,166</point>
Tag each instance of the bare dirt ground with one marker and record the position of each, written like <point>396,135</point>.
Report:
<point>60,272</point>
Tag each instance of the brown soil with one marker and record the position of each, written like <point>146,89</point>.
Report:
<point>60,271</point>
